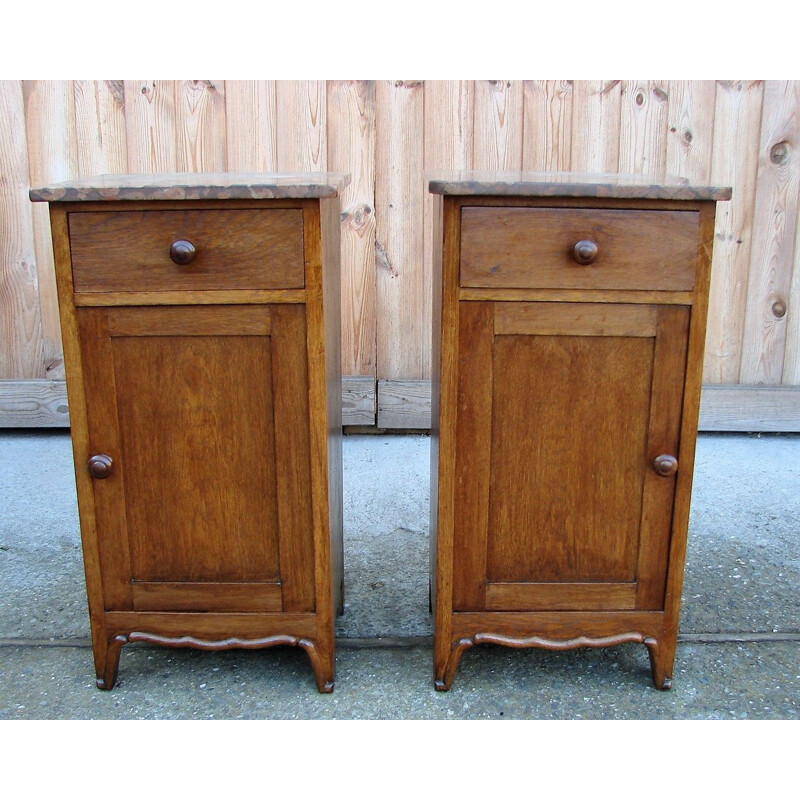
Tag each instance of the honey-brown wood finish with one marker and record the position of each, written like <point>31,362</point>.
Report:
<point>232,249</point>
<point>207,424</point>
<point>566,419</point>
<point>632,249</point>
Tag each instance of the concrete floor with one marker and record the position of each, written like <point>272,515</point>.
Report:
<point>738,654</point>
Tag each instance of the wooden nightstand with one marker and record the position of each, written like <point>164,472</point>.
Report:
<point>200,322</point>
<point>569,324</point>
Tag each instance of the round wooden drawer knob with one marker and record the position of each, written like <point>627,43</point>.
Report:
<point>182,252</point>
<point>585,251</point>
<point>100,466</point>
<point>665,465</point>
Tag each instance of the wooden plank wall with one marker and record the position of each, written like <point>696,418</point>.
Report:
<point>387,134</point>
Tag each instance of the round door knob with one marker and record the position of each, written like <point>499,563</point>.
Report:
<point>665,465</point>
<point>584,252</point>
<point>100,466</point>
<point>182,251</point>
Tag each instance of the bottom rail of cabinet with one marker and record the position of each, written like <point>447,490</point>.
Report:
<point>555,631</point>
<point>212,632</point>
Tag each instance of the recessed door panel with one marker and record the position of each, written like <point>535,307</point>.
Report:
<point>569,429</point>
<point>562,409</point>
<point>199,492</point>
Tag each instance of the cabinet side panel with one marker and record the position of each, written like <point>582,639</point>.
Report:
<point>332,299</point>
<point>689,417</point>
<point>317,415</point>
<point>444,448</point>
<point>436,364</point>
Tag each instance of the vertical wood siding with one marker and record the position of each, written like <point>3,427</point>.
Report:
<point>351,148</point>
<point>400,205</point>
<point>21,331</point>
<point>387,134</point>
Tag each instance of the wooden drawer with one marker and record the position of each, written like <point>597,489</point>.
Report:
<point>118,251</point>
<point>524,247</point>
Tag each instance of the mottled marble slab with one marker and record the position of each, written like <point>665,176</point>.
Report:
<point>571,184</point>
<point>195,186</point>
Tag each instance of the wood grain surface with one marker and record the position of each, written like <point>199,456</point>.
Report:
<point>102,141</point>
<point>399,247</point>
<point>449,144</point>
<point>548,126</point>
<point>567,508</point>
<point>690,129</point>
<point>775,233</point>
<point>240,249</point>
<point>643,128</point>
<point>737,128</point>
<point>207,436</point>
<point>200,120</point>
<point>498,125</point>
<point>553,513</point>
<point>292,457</point>
<point>52,155</point>
<point>724,133</point>
<point>174,519</point>
<point>302,126</point>
<point>636,249</point>
<point>21,330</point>
<point>595,126</point>
<point>351,150</point>
<point>151,126</point>
<point>251,126</point>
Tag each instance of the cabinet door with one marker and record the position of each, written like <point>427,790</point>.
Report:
<point>562,408</point>
<point>204,413</point>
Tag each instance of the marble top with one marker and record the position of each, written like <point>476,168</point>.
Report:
<point>195,186</point>
<point>571,184</point>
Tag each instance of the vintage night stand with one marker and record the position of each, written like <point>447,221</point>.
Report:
<point>200,322</point>
<point>569,325</point>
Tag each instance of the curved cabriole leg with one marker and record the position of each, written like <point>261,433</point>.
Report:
<point>107,677</point>
<point>661,661</point>
<point>443,679</point>
<point>322,662</point>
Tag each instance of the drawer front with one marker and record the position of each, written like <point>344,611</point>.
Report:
<point>118,251</point>
<point>513,247</point>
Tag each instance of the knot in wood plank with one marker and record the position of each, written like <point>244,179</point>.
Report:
<point>779,153</point>
<point>357,217</point>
